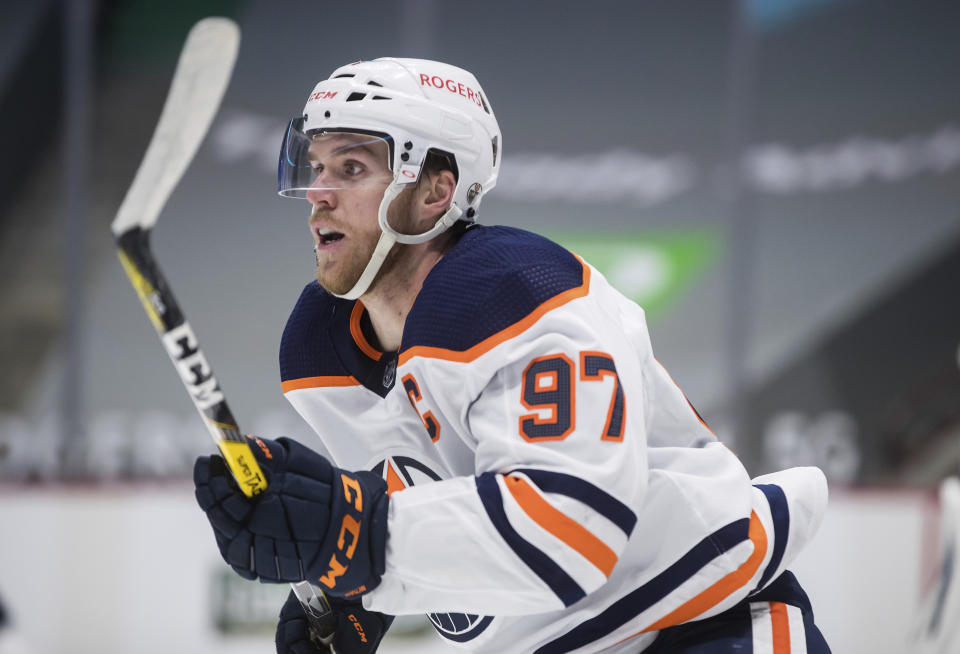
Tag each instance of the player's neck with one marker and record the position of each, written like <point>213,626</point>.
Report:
<point>392,296</point>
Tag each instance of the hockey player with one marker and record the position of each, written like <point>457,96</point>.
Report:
<point>501,449</point>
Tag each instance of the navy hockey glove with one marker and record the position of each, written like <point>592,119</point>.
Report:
<point>314,521</point>
<point>358,631</point>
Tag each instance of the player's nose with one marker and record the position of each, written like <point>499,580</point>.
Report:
<point>322,198</point>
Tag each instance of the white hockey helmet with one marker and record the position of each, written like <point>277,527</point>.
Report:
<point>416,106</point>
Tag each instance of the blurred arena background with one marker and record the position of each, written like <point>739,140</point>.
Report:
<point>776,181</point>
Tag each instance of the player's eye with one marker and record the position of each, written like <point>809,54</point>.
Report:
<point>353,168</point>
<point>316,166</point>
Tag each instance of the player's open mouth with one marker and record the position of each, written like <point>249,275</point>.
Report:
<point>327,237</point>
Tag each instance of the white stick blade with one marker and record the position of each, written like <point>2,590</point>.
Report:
<point>198,85</point>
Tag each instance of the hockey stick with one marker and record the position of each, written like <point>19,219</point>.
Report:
<point>201,77</point>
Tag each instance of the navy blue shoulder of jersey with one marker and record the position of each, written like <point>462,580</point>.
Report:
<point>491,279</point>
<point>317,342</point>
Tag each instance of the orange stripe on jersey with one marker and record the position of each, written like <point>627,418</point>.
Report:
<point>503,335</point>
<point>357,333</point>
<point>781,628</point>
<point>318,382</point>
<point>561,526</point>
<point>722,588</point>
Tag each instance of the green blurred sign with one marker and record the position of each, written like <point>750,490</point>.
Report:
<point>653,269</point>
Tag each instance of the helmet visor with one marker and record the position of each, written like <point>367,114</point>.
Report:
<point>331,160</point>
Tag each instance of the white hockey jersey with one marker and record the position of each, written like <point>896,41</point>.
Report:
<point>552,490</point>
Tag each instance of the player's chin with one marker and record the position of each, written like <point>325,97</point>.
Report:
<point>338,284</point>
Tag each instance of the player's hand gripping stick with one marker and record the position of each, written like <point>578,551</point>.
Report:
<point>315,521</point>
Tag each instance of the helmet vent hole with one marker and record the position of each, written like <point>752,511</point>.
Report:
<point>380,97</point>
<point>344,75</point>
<point>493,144</point>
<point>355,96</point>
<point>373,83</point>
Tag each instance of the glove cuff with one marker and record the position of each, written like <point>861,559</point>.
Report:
<point>351,560</point>
<point>378,536</point>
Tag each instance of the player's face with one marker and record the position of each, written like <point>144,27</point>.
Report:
<point>352,174</point>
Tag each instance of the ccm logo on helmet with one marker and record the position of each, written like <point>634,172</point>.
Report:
<point>453,86</point>
<point>348,526</point>
<point>322,95</point>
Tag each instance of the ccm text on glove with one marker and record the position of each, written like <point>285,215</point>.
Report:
<point>314,522</point>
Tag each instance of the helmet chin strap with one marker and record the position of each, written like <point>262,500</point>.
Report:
<point>389,236</point>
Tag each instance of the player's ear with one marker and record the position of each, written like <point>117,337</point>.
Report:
<point>437,193</point>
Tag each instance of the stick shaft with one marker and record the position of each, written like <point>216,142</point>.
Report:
<point>197,376</point>
<point>182,345</point>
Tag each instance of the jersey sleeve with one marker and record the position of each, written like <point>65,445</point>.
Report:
<point>556,414</point>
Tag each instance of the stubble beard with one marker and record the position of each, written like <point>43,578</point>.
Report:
<point>341,278</point>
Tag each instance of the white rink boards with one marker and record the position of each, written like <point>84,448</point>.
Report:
<point>128,568</point>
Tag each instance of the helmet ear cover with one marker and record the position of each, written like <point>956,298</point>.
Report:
<point>437,161</point>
